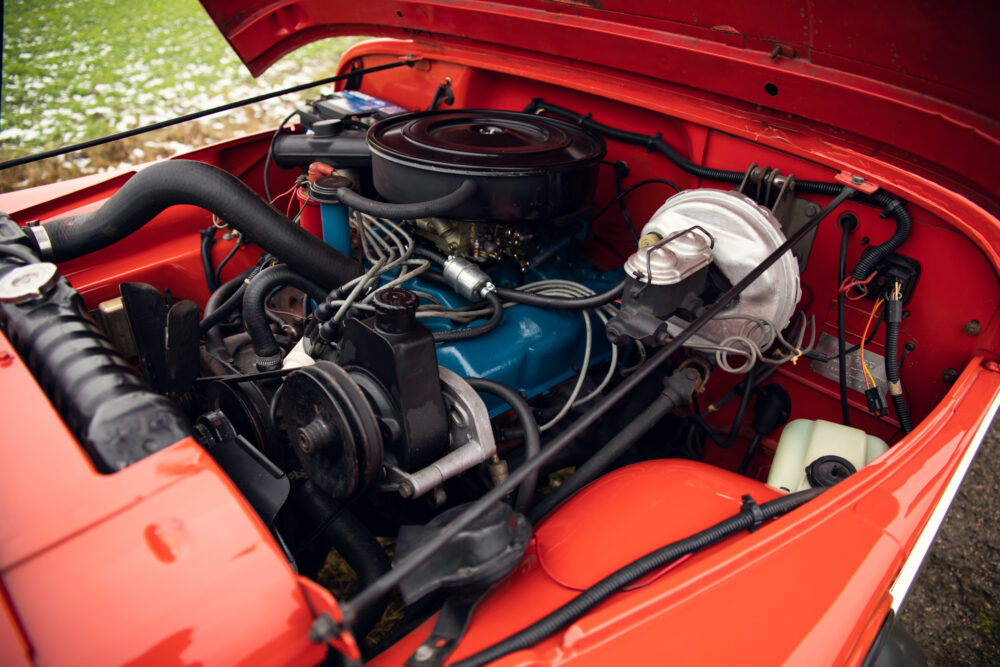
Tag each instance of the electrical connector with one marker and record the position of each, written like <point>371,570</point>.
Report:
<point>876,405</point>
<point>894,311</point>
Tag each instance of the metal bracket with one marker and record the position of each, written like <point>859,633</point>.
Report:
<point>857,182</point>
<point>470,438</point>
<point>449,629</point>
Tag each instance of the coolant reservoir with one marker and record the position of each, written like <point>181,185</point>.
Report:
<point>817,453</point>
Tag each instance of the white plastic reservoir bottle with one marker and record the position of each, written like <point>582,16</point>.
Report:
<point>805,442</point>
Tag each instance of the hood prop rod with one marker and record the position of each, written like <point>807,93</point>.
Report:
<point>90,143</point>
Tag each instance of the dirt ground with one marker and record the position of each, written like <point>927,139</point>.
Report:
<point>952,609</point>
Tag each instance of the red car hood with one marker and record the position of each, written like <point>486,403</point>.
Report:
<point>914,78</point>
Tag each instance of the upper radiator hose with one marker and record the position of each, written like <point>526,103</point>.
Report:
<point>100,397</point>
<point>173,182</point>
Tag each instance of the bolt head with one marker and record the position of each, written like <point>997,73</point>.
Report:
<point>857,180</point>
<point>423,654</point>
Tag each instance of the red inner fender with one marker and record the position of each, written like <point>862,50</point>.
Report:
<point>635,510</point>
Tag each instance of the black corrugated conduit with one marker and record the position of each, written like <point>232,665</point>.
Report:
<point>894,315</point>
<point>749,517</point>
<point>890,206</point>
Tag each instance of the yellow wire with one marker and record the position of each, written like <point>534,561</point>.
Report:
<point>864,367</point>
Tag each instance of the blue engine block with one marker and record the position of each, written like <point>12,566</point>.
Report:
<point>533,349</point>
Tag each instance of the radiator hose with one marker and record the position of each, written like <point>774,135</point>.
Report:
<point>174,182</point>
<point>255,317</point>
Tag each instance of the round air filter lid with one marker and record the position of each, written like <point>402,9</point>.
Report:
<point>484,140</point>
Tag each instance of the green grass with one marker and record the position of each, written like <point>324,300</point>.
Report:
<point>79,69</point>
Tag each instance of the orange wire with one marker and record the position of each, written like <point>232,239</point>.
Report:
<point>864,366</point>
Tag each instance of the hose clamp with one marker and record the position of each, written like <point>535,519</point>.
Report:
<point>42,240</point>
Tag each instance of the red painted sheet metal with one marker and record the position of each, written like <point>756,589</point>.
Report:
<point>818,576</point>
<point>917,78</point>
<point>164,559</point>
<point>940,50</point>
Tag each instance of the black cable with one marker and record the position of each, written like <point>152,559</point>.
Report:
<point>605,456</point>
<point>629,190</point>
<point>826,358</point>
<point>207,241</point>
<point>734,430</point>
<point>621,201</point>
<point>532,436</point>
<point>561,302</point>
<point>527,298</point>
<point>406,566</point>
<point>890,205</point>
<point>225,260</point>
<point>270,152</point>
<point>749,518</point>
<point>738,390</point>
<point>751,450</point>
<point>496,316</point>
<point>90,143</point>
<point>845,414</point>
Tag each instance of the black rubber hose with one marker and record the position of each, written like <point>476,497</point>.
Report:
<point>432,255</point>
<point>532,436</point>
<point>254,312</point>
<point>841,327</point>
<point>605,456</point>
<point>562,303</point>
<point>207,241</point>
<point>173,182</point>
<point>890,206</point>
<point>529,299</point>
<point>343,531</point>
<point>219,305</point>
<point>423,209</point>
<point>748,519</point>
<point>472,332</point>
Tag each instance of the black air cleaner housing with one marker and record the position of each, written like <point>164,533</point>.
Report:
<point>527,168</point>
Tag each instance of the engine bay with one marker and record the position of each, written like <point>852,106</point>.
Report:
<point>501,294</point>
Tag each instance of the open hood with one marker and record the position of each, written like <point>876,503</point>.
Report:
<point>914,77</point>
